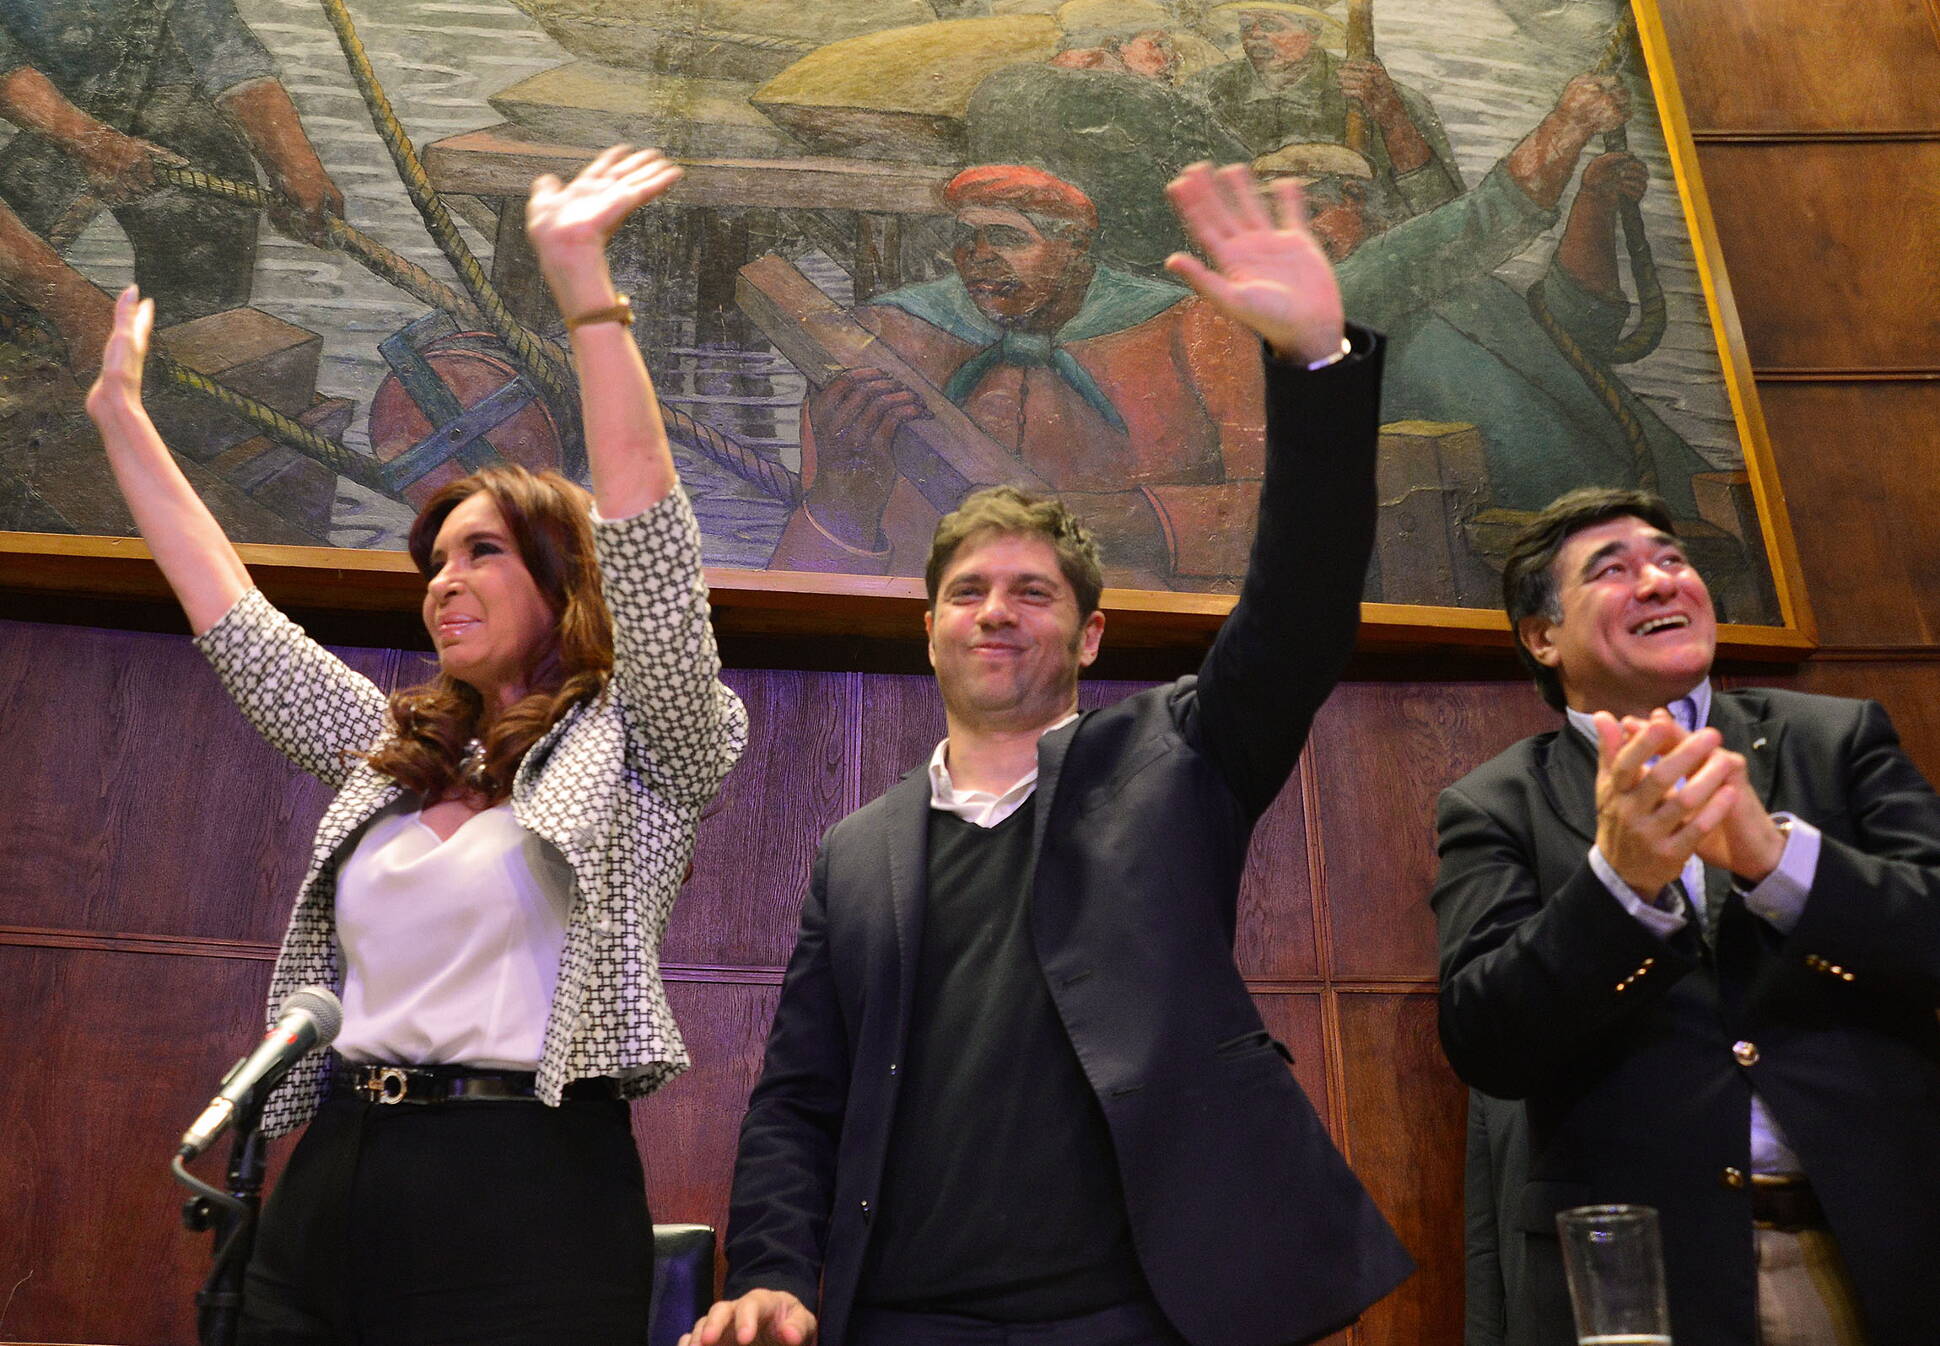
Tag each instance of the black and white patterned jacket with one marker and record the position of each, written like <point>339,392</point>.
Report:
<point>616,785</point>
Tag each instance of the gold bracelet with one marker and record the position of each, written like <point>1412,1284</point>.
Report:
<point>619,311</point>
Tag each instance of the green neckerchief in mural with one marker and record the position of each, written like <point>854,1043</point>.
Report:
<point>1115,301</point>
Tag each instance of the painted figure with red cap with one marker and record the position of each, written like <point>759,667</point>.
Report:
<point>1138,402</point>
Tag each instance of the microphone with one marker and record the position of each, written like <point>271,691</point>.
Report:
<point>308,1018</point>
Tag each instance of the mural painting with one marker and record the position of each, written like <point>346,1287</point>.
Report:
<point>919,248</point>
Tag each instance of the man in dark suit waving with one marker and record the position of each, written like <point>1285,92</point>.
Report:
<point>1697,934</point>
<point>1016,1088</point>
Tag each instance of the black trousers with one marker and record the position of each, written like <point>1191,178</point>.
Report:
<point>1124,1325</point>
<point>482,1223</point>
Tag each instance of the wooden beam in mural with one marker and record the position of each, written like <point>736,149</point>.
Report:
<point>945,455</point>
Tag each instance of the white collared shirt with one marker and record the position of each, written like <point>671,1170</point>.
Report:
<point>981,807</point>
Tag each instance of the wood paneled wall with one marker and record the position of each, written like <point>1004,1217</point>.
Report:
<point>149,843</point>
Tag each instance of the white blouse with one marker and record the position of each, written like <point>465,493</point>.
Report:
<point>450,948</point>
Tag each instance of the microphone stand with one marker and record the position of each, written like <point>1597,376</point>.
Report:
<point>232,1216</point>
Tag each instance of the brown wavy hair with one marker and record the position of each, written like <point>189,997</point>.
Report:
<point>1006,509</point>
<point>550,523</point>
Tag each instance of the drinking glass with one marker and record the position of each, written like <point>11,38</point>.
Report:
<point>1615,1263</point>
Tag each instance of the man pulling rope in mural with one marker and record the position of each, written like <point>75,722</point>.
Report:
<point>1463,346</point>
<point>107,92</point>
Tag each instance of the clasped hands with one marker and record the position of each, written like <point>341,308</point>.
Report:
<point>1695,797</point>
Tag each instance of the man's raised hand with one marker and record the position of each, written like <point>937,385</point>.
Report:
<point>1268,271</point>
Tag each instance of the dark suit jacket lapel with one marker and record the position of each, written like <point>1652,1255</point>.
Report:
<point>1758,739</point>
<point>1570,780</point>
<point>1051,750</point>
<point>906,841</point>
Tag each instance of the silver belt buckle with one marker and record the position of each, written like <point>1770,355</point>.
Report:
<point>389,1085</point>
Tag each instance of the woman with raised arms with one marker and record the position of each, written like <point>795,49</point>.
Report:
<point>490,885</point>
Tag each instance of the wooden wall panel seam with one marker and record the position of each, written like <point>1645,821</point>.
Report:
<point>1806,135</point>
<point>1845,373</point>
<point>186,946</point>
<point>1309,774</point>
<point>1873,654</point>
<point>719,974</point>
<point>1364,986</point>
<point>852,696</point>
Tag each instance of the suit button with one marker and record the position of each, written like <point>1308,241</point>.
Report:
<point>865,1210</point>
<point>1746,1052</point>
<point>892,1067</point>
<point>1731,1177</point>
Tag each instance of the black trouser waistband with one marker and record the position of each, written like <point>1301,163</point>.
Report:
<point>373,1082</point>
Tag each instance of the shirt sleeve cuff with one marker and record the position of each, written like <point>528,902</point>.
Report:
<point>1651,916</point>
<point>1779,898</point>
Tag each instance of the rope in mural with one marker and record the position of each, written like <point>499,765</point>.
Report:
<point>347,238</point>
<point>746,462</point>
<point>543,362</point>
<point>540,357</point>
<point>1653,316</point>
<point>290,433</point>
<point>42,345</point>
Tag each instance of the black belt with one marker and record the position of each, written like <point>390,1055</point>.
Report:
<point>1785,1203</point>
<point>375,1083</point>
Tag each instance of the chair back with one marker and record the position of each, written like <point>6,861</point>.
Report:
<point>683,1279</point>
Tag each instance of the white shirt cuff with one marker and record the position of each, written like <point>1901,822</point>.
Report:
<point>1653,917</point>
<point>1780,897</point>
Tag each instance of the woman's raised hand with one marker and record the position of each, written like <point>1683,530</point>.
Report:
<point>569,224</point>
<point>184,538</point>
<point>118,384</point>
